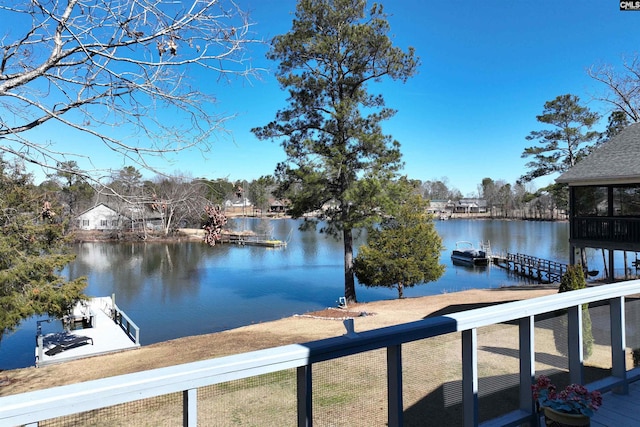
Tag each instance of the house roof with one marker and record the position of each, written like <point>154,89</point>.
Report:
<point>617,161</point>
<point>469,201</point>
<point>101,206</point>
<point>92,208</point>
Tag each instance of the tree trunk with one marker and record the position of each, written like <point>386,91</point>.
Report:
<point>626,270</point>
<point>400,290</point>
<point>349,281</point>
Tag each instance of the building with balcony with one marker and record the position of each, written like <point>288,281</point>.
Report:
<point>604,198</point>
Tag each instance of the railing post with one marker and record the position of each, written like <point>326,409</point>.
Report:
<point>190,407</point>
<point>470,377</point>
<point>611,273</point>
<point>574,341</point>
<point>40,341</point>
<point>527,364</point>
<point>305,394</point>
<point>394,386</point>
<point>618,344</point>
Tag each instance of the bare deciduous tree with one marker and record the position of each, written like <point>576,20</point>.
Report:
<point>175,200</point>
<point>623,87</point>
<point>124,73</point>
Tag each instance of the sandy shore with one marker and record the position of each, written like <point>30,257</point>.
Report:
<point>296,329</point>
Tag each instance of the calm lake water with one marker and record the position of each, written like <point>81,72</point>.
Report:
<point>180,289</point>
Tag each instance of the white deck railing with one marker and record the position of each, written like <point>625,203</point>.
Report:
<point>128,326</point>
<point>28,408</point>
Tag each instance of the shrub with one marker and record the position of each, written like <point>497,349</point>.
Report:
<point>572,280</point>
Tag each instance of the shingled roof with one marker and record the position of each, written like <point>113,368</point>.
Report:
<point>617,161</point>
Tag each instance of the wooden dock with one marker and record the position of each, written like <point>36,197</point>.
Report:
<point>542,270</point>
<point>249,238</point>
<point>106,329</point>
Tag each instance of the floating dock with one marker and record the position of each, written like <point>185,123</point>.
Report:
<point>250,238</point>
<point>95,327</point>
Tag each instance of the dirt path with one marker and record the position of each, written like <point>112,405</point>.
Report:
<point>296,329</point>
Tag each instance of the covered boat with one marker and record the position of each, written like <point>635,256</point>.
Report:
<point>466,253</point>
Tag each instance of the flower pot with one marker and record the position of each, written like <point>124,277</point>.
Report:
<point>554,418</point>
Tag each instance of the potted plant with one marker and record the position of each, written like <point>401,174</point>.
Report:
<point>572,406</point>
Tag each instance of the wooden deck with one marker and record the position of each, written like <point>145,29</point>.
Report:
<point>106,336</point>
<point>619,410</point>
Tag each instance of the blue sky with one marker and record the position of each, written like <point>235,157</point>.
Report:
<point>487,69</point>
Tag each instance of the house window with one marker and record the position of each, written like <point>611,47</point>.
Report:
<point>114,222</point>
<point>103,223</point>
<point>626,201</point>
<point>85,222</point>
<point>591,201</point>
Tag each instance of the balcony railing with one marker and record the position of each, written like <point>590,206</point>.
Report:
<point>480,359</point>
<point>606,229</point>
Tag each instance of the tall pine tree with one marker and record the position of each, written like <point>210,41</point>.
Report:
<point>566,142</point>
<point>338,159</point>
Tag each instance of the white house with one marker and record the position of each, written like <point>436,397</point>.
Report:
<point>101,217</point>
<point>238,204</point>
<point>440,206</point>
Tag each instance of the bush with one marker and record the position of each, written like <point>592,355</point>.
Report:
<point>572,280</point>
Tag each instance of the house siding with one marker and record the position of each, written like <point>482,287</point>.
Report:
<point>100,217</point>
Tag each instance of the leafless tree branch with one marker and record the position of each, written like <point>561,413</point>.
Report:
<point>123,72</point>
<point>622,87</point>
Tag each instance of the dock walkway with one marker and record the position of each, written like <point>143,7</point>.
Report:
<point>105,336</point>
<point>543,270</point>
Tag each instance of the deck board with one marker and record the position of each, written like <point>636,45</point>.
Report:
<point>619,410</point>
<point>106,335</point>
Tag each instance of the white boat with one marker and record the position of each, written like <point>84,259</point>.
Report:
<point>466,253</point>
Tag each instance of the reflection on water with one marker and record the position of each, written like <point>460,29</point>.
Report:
<point>173,290</point>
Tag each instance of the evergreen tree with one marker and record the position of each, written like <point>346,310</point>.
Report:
<point>618,120</point>
<point>573,280</point>
<point>76,193</point>
<point>32,253</point>
<point>337,155</point>
<point>403,252</point>
<point>565,144</point>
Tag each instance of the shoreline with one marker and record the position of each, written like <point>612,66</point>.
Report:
<point>299,328</point>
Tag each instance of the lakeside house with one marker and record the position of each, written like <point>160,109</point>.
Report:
<point>101,218</point>
<point>279,206</point>
<point>469,205</point>
<point>241,203</point>
<point>604,198</point>
<point>440,207</point>
<point>104,218</point>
